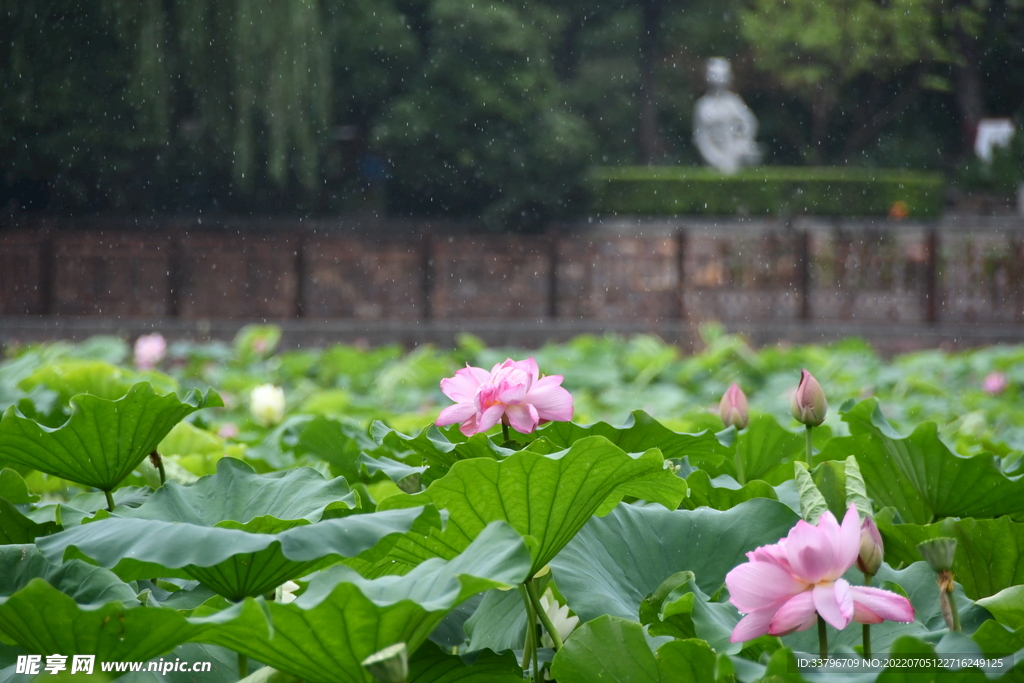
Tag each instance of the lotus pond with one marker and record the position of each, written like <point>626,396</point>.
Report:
<point>623,514</point>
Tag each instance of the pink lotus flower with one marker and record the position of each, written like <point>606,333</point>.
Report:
<point>785,586</point>
<point>149,350</point>
<point>512,393</point>
<point>995,383</point>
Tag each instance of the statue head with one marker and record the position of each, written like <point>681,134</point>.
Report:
<point>719,73</point>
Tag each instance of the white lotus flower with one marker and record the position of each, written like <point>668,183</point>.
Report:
<point>266,403</point>
<point>285,593</point>
<point>559,616</point>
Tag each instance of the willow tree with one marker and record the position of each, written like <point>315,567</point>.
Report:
<point>246,84</point>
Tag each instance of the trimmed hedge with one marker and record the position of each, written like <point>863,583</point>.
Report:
<point>822,191</point>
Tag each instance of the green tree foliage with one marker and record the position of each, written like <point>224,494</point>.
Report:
<point>482,128</point>
<point>817,50</point>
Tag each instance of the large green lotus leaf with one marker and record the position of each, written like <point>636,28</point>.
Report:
<point>918,581</point>
<point>919,476</point>
<point>764,450</point>
<point>13,488</point>
<point>103,440</point>
<point>85,506</point>
<point>431,665</point>
<point>15,527</point>
<point>996,639</point>
<point>989,552</point>
<point>233,562</point>
<point>73,376</point>
<point>723,492</point>
<point>546,498</point>
<point>679,608</point>
<point>436,449</point>
<point>77,608</point>
<point>614,649</point>
<point>237,494</point>
<point>343,618</point>
<point>923,671</point>
<point>1007,606</point>
<point>641,432</point>
<point>498,624</point>
<point>223,665</point>
<point>45,621</point>
<point>616,561</point>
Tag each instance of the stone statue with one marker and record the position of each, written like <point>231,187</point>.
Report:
<point>724,128</point>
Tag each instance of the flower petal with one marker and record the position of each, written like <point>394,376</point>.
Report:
<point>464,385</point>
<point>753,625</point>
<point>471,426</point>
<point>834,602</point>
<point>809,549</point>
<point>523,418</point>
<point>774,553</point>
<point>849,544</point>
<point>511,393</point>
<point>460,412</point>
<point>756,585</point>
<point>796,614</point>
<point>529,366</point>
<point>490,417</point>
<point>550,399</point>
<point>873,605</point>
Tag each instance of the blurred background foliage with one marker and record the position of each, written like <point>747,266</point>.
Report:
<point>482,108</point>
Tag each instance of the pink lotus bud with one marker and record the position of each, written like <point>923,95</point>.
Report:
<point>871,548</point>
<point>809,405</point>
<point>733,409</point>
<point>995,383</point>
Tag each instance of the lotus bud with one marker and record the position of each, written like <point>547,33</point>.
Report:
<point>266,403</point>
<point>871,548</point>
<point>390,665</point>
<point>938,553</point>
<point>733,408</point>
<point>808,404</point>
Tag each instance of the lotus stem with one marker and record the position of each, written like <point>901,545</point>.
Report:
<point>740,476</point>
<point>822,638</point>
<point>810,447</point>
<point>158,463</point>
<point>110,500</point>
<point>531,589</point>
<point>504,433</point>
<point>243,666</point>
<point>948,601</point>
<point>530,646</point>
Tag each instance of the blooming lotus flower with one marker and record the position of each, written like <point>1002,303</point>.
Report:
<point>559,616</point>
<point>808,404</point>
<point>733,408</point>
<point>512,393</point>
<point>995,383</point>
<point>149,350</point>
<point>266,403</point>
<point>786,585</point>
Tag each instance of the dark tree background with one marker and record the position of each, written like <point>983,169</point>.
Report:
<point>484,108</point>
